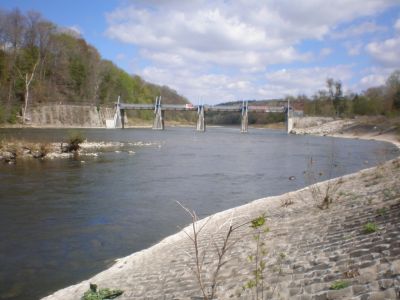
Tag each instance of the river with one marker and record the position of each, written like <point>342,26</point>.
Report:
<point>64,220</point>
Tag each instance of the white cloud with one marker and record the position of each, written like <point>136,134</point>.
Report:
<point>212,88</point>
<point>354,48</point>
<point>386,52</point>
<point>358,30</point>
<point>372,77</point>
<point>120,56</point>
<point>325,52</point>
<point>215,88</point>
<point>221,49</point>
<point>397,25</point>
<point>76,29</point>
<point>372,80</point>
<point>242,33</point>
<point>303,81</point>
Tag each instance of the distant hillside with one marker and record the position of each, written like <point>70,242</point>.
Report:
<point>41,63</point>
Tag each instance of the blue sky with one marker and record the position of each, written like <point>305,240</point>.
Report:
<point>216,51</point>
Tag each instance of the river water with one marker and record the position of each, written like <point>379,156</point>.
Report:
<point>64,220</point>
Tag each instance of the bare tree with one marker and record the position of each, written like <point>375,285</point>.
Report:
<point>335,93</point>
<point>27,77</point>
<point>393,91</point>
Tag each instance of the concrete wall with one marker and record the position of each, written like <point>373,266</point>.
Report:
<point>58,115</point>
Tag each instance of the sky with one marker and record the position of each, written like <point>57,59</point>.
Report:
<point>229,50</point>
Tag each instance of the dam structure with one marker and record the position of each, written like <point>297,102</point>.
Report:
<point>244,108</point>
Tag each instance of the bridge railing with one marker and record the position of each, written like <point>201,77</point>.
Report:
<point>136,106</point>
<point>189,107</point>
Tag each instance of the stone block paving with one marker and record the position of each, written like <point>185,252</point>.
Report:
<point>309,250</point>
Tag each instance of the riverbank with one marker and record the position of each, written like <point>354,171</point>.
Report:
<point>347,250</point>
<point>368,128</point>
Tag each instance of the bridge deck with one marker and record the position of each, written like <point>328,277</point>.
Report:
<point>184,107</point>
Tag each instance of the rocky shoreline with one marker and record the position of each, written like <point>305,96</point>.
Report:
<point>348,250</point>
<point>13,151</point>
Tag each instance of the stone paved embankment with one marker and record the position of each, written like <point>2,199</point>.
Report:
<point>317,248</point>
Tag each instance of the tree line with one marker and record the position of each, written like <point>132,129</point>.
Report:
<point>42,63</point>
<point>330,102</point>
<point>379,100</point>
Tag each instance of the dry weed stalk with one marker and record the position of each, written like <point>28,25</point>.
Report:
<point>322,194</point>
<point>201,253</point>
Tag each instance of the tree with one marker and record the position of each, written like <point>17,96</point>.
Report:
<point>14,32</point>
<point>336,95</point>
<point>26,72</point>
<point>393,90</point>
<point>396,100</point>
<point>40,62</point>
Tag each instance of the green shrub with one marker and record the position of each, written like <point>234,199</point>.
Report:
<point>13,117</point>
<point>94,294</point>
<point>370,228</point>
<point>339,284</point>
<point>74,141</point>
<point>2,114</point>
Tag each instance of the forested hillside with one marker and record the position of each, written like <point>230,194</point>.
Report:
<point>41,63</point>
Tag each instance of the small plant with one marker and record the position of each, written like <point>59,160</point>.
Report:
<point>387,194</point>
<point>258,258</point>
<point>352,273</point>
<point>323,195</point>
<point>370,228</point>
<point>381,211</point>
<point>339,284</point>
<point>286,202</point>
<point>196,236</point>
<point>73,144</point>
<point>39,150</point>
<point>101,294</point>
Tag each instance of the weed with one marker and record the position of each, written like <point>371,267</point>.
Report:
<point>39,150</point>
<point>286,202</point>
<point>381,211</point>
<point>258,258</point>
<point>322,194</point>
<point>387,194</point>
<point>352,273</point>
<point>74,140</point>
<point>339,284</point>
<point>347,237</point>
<point>200,253</point>
<point>101,294</point>
<point>370,227</point>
